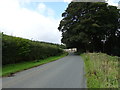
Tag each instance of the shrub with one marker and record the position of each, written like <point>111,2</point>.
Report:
<point>16,49</point>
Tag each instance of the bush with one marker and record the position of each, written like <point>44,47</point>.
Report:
<point>16,49</point>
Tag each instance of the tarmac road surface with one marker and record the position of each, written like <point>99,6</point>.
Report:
<point>67,72</point>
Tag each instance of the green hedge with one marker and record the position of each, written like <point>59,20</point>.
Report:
<point>16,49</point>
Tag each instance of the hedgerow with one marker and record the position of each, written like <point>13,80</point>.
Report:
<point>16,49</point>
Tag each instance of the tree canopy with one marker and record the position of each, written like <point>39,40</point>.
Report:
<point>91,26</point>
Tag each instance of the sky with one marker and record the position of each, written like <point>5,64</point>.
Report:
<point>34,19</point>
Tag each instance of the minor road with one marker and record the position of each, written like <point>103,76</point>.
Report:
<point>67,72</point>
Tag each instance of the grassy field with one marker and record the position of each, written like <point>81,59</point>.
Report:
<point>10,69</point>
<point>101,70</point>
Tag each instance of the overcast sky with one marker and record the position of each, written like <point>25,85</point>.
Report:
<point>34,19</point>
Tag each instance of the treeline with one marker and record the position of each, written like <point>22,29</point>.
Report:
<point>16,49</point>
<point>58,45</point>
<point>92,27</point>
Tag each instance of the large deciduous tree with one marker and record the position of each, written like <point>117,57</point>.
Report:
<point>90,26</point>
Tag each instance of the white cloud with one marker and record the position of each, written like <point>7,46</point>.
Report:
<point>67,1</point>
<point>42,7</point>
<point>113,2</point>
<point>23,22</point>
<point>42,1</point>
<point>45,10</point>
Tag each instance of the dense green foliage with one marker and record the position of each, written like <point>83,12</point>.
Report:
<point>58,45</point>
<point>101,70</point>
<point>16,49</point>
<point>93,27</point>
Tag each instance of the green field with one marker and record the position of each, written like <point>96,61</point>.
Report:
<point>9,69</point>
<point>101,70</point>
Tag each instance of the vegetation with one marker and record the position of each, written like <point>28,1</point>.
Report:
<point>58,45</point>
<point>90,26</point>
<point>16,49</point>
<point>101,70</point>
<point>12,68</point>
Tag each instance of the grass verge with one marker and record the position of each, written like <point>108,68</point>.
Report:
<point>10,69</point>
<point>101,70</point>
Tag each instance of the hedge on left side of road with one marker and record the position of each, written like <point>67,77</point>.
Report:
<point>16,49</point>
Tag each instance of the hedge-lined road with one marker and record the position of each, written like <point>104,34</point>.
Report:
<point>67,72</point>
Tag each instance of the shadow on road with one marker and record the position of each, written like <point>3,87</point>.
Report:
<point>72,54</point>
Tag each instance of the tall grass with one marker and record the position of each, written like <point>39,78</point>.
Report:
<point>101,70</point>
